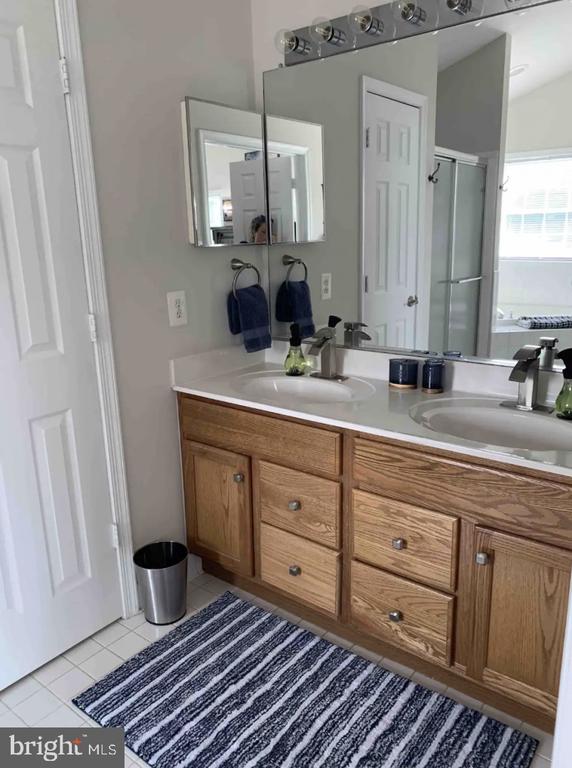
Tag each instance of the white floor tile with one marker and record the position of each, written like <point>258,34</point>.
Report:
<point>367,654</point>
<point>291,617</point>
<point>153,632</point>
<point>545,740</point>
<point>462,698</point>
<point>129,645</point>
<point>53,670</point>
<point>337,640</point>
<point>63,717</point>
<point>79,653</point>
<point>101,663</point>
<point>396,668</point>
<point>265,604</point>
<point>69,685</point>
<point>110,634</point>
<point>216,586</point>
<point>502,717</point>
<point>3,708</point>
<point>199,598</point>
<point>429,682</point>
<point>133,621</point>
<point>320,631</point>
<point>201,580</point>
<point>38,706</point>
<point>540,762</point>
<point>21,690</point>
<point>10,720</point>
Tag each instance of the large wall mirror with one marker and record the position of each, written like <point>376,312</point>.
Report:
<point>447,185</point>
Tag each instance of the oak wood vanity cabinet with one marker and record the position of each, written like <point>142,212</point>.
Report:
<point>458,567</point>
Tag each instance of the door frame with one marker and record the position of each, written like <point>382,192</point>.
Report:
<point>423,277</point>
<point>67,21</point>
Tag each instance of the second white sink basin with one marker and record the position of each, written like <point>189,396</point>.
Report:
<point>288,390</point>
<point>485,421</point>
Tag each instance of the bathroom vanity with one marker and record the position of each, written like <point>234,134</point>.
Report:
<point>455,564</point>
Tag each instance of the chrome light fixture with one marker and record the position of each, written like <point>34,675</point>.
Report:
<point>287,41</point>
<point>362,21</point>
<point>323,31</point>
<point>465,7</point>
<point>409,11</point>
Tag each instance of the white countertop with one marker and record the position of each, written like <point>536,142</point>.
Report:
<point>386,413</point>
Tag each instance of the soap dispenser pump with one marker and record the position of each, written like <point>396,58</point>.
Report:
<point>564,399</point>
<point>295,363</point>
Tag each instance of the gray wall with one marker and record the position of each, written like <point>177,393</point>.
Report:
<point>329,92</point>
<point>471,104</point>
<point>142,57</point>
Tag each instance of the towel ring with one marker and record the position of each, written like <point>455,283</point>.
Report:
<point>291,262</point>
<point>239,266</point>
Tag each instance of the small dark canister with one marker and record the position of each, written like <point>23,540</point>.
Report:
<point>403,373</point>
<point>433,370</point>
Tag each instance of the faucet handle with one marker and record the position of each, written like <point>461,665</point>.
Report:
<point>527,352</point>
<point>354,326</point>
<point>548,342</point>
<point>333,320</point>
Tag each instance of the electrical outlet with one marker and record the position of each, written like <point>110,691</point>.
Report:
<point>177,304</point>
<point>326,286</point>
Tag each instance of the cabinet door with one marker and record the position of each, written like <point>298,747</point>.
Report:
<point>521,598</point>
<point>218,505</point>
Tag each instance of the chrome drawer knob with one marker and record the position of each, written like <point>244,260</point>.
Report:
<point>481,558</point>
<point>294,570</point>
<point>395,616</point>
<point>238,477</point>
<point>398,543</point>
<point>294,505</point>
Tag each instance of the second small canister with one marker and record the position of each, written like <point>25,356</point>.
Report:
<point>432,378</point>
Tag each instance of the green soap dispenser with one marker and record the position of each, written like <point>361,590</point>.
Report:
<point>295,363</point>
<point>564,399</point>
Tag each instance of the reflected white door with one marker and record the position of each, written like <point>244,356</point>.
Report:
<point>391,203</point>
<point>59,578</point>
<point>247,193</point>
<point>280,199</point>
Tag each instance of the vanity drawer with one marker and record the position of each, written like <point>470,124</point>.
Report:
<point>307,571</point>
<point>422,620</point>
<point>405,539</point>
<point>287,442</point>
<point>300,503</point>
<point>515,502</point>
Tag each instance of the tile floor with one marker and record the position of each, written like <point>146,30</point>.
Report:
<point>44,698</point>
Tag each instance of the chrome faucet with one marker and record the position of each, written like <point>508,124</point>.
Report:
<point>353,334</point>
<point>323,342</point>
<point>525,373</point>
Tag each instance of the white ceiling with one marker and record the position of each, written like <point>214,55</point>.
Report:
<point>540,36</point>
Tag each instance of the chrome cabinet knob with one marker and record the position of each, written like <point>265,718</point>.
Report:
<point>238,477</point>
<point>294,505</point>
<point>395,616</point>
<point>294,570</point>
<point>398,543</point>
<point>481,558</point>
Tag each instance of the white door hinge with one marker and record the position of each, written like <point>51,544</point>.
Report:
<point>65,76</point>
<point>92,328</point>
<point>367,138</point>
<point>114,535</point>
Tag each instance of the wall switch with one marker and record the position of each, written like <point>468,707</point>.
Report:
<point>177,303</point>
<point>326,286</point>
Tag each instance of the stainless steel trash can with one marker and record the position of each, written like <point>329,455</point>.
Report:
<point>161,571</point>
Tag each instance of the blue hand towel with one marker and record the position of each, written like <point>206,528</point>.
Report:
<point>248,314</point>
<point>294,305</point>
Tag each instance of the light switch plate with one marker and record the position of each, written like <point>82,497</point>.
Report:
<point>177,304</point>
<point>326,286</point>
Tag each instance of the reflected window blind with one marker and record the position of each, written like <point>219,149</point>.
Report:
<point>537,209</point>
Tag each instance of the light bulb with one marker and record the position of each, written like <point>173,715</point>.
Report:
<point>409,11</point>
<point>466,8</point>
<point>513,5</point>
<point>323,31</point>
<point>362,21</point>
<point>287,41</point>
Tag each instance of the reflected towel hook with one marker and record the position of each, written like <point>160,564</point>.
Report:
<point>504,186</point>
<point>239,266</point>
<point>291,262</point>
<point>433,176</point>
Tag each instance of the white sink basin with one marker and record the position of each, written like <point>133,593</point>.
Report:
<point>485,421</point>
<point>288,390</point>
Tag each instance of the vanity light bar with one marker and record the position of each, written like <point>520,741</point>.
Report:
<point>393,21</point>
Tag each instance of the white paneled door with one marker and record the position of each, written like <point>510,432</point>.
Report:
<point>59,577</point>
<point>390,211</point>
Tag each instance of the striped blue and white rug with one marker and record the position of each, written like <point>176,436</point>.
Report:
<point>238,686</point>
